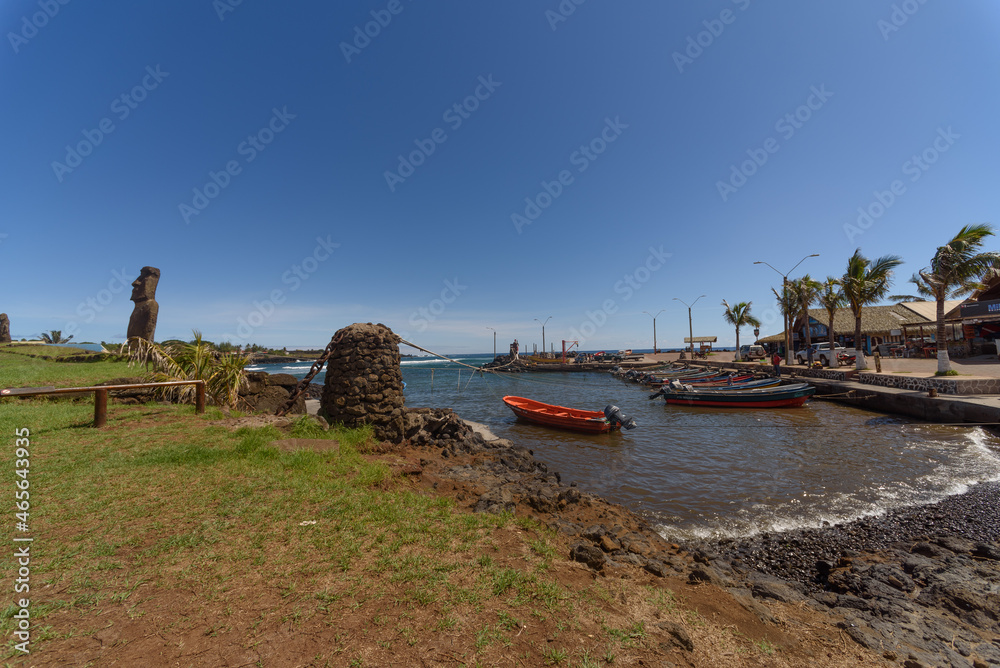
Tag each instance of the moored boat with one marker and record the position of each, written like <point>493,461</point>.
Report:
<point>573,419</point>
<point>785,396</point>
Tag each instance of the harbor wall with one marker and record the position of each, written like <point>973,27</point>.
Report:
<point>958,400</point>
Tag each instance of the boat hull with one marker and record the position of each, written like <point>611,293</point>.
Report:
<point>759,398</point>
<point>559,417</point>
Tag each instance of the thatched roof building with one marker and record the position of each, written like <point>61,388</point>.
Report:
<point>879,324</point>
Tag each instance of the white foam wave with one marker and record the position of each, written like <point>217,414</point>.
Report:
<point>958,464</point>
<point>254,368</point>
<point>297,367</point>
<point>435,359</point>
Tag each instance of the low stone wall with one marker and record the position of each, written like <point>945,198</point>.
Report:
<point>829,374</point>
<point>944,385</point>
<point>266,393</point>
<point>786,372</point>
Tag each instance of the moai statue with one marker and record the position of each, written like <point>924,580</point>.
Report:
<point>4,328</point>
<point>142,324</point>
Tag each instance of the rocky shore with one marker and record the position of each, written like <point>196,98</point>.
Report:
<point>918,586</point>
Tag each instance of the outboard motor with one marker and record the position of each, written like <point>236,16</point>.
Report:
<point>614,414</point>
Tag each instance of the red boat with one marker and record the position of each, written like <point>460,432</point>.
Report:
<point>573,419</point>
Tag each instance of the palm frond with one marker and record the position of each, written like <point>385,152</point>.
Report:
<point>224,374</point>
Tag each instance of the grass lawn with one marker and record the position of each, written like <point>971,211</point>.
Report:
<point>23,371</point>
<point>169,538</point>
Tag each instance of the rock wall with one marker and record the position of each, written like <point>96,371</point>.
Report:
<point>266,393</point>
<point>943,385</point>
<point>364,383</point>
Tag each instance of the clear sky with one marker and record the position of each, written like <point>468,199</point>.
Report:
<point>447,167</point>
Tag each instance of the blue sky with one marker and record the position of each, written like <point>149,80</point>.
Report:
<point>448,167</point>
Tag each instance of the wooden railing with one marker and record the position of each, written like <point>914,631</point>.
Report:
<point>101,394</point>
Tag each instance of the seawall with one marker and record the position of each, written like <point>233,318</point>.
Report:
<point>838,386</point>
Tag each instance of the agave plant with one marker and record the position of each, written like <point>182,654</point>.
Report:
<point>224,373</point>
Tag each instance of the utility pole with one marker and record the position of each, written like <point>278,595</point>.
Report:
<point>690,326</point>
<point>543,331</point>
<point>784,293</point>
<point>654,327</point>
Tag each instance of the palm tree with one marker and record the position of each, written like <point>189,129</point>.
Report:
<point>955,270</point>
<point>55,336</point>
<point>223,373</point>
<point>739,315</point>
<point>788,305</point>
<point>866,282</point>
<point>806,292</point>
<point>831,297</point>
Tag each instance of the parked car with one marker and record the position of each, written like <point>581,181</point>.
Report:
<point>821,353</point>
<point>751,353</point>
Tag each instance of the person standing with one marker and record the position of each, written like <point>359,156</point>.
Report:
<point>809,356</point>
<point>776,361</point>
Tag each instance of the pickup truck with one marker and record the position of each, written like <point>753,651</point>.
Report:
<point>821,354</point>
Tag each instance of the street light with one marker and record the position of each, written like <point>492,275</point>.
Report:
<point>494,342</point>
<point>654,327</point>
<point>784,291</point>
<point>543,331</point>
<point>690,327</point>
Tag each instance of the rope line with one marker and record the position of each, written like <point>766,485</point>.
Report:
<point>444,357</point>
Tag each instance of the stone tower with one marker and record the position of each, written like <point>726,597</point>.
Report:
<point>364,383</point>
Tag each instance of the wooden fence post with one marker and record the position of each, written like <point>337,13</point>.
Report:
<point>100,408</point>
<point>199,401</point>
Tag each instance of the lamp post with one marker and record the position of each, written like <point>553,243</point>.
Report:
<point>784,291</point>
<point>690,326</point>
<point>654,327</point>
<point>543,331</point>
<point>756,335</point>
<point>494,341</point>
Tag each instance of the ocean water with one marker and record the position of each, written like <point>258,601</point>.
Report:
<point>702,472</point>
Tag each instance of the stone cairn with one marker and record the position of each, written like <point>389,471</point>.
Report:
<point>364,383</point>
